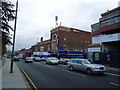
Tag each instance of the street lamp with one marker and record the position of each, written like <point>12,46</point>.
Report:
<point>11,67</point>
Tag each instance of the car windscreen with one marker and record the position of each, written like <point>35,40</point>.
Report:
<point>86,62</point>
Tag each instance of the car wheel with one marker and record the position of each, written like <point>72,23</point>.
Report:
<point>89,71</point>
<point>71,68</point>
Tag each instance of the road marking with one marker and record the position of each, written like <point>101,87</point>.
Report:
<point>29,78</point>
<point>76,73</point>
<point>113,74</point>
<point>114,84</point>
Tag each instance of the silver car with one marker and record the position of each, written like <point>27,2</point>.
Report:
<point>29,59</point>
<point>51,60</point>
<point>85,65</point>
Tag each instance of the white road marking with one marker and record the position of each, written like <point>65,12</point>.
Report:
<point>113,74</point>
<point>76,73</point>
<point>114,84</point>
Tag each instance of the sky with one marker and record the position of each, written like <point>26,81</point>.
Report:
<point>37,17</point>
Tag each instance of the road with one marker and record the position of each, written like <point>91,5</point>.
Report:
<point>58,76</point>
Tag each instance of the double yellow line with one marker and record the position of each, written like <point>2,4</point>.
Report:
<point>28,78</point>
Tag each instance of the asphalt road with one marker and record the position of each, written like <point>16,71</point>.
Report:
<point>58,76</point>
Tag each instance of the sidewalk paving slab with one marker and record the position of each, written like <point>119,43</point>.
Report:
<point>15,79</point>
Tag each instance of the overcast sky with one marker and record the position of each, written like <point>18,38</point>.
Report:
<point>37,17</point>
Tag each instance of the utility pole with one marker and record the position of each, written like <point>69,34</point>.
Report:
<point>11,67</point>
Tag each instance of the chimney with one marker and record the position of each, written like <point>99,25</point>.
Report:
<point>41,39</point>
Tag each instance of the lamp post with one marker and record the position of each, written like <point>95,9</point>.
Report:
<point>11,66</point>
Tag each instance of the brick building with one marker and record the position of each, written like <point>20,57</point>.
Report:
<point>42,46</point>
<point>65,41</point>
<point>69,39</point>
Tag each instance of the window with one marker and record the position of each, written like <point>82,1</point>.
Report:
<point>65,46</point>
<point>79,61</point>
<point>75,61</point>
<point>54,37</point>
<point>42,48</point>
<point>65,39</point>
<point>117,19</point>
<point>110,21</point>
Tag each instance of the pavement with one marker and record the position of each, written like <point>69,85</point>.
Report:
<point>17,79</point>
<point>112,68</point>
<point>11,80</point>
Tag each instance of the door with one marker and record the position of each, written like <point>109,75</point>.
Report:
<point>79,65</point>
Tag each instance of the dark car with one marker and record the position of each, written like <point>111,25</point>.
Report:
<point>63,61</point>
<point>44,58</point>
<point>15,58</point>
<point>36,59</point>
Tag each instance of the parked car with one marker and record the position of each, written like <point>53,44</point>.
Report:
<point>36,59</point>
<point>15,58</point>
<point>63,61</point>
<point>52,60</point>
<point>24,58</point>
<point>85,65</point>
<point>28,59</point>
<point>44,58</point>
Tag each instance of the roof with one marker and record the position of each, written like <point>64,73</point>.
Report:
<point>110,11</point>
<point>64,27</point>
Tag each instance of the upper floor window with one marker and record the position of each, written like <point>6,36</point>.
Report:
<point>65,39</point>
<point>110,21</point>
<point>54,37</point>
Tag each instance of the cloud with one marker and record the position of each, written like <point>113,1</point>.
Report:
<point>37,17</point>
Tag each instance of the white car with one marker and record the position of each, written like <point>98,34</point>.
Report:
<point>52,60</point>
<point>29,59</point>
<point>85,65</point>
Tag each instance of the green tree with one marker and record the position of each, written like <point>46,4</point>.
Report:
<point>7,14</point>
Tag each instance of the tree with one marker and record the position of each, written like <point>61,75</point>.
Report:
<point>7,14</point>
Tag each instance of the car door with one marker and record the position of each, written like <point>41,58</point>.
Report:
<point>79,65</point>
<point>74,64</point>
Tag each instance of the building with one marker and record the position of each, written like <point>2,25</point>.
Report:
<point>70,39</point>
<point>106,34</point>
<point>65,41</point>
<point>42,46</point>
